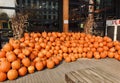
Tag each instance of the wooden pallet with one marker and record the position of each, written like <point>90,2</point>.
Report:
<point>91,75</point>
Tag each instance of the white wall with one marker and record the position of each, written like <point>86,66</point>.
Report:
<point>8,3</point>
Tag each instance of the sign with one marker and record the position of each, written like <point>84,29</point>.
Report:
<point>113,22</point>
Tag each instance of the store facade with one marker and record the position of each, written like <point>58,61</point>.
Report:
<point>64,15</point>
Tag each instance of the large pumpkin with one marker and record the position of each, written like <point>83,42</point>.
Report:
<point>5,66</point>
<point>3,76</point>
<point>12,74</point>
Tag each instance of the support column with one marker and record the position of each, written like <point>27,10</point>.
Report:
<point>65,15</point>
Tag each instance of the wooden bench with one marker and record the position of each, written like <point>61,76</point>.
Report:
<point>5,34</point>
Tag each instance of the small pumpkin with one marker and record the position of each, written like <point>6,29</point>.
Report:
<point>16,44</point>
<point>39,65</point>
<point>89,55</point>
<point>7,47</point>
<point>26,51</point>
<point>50,64</point>
<point>26,62</point>
<point>31,69</point>
<point>116,56</point>
<point>11,57</point>
<point>22,71</point>
<point>21,56</point>
<point>16,64</point>
<point>68,59</point>
<point>110,54</point>
<point>56,60</point>
<point>97,55</point>
<point>73,58</point>
<point>103,54</point>
<point>17,51</point>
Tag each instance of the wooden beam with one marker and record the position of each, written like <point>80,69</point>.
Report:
<point>65,15</point>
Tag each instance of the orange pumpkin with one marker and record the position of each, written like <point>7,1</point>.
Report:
<point>118,52</point>
<point>12,74</point>
<point>16,44</point>
<point>40,54</point>
<point>15,64</point>
<point>59,57</point>
<point>105,48</point>
<point>112,49</point>
<point>103,54</point>
<point>80,55</point>
<point>26,51</point>
<point>3,76</point>
<point>116,56</point>
<point>37,59</point>
<point>26,62</point>
<point>3,59</point>
<point>110,44</point>
<point>44,63</point>
<point>11,57</point>
<point>117,47</point>
<point>22,39</point>
<point>96,45</point>
<point>31,69</point>
<point>84,55</point>
<point>48,55</point>
<point>17,51</point>
<point>22,45</point>
<point>56,60</point>
<point>100,49</point>
<point>68,59</point>
<point>21,56</point>
<point>73,58</point>
<point>2,54</point>
<point>97,55</point>
<point>22,71</point>
<point>39,65</point>
<point>7,47</point>
<point>31,44</point>
<point>32,56</point>
<point>5,66</point>
<point>110,54</point>
<point>50,64</point>
<point>44,34</point>
<point>89,55</point>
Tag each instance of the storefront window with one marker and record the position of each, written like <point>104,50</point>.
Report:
<point>45,12</point>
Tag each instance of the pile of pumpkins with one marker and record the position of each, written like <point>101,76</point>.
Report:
<point>36,51</point>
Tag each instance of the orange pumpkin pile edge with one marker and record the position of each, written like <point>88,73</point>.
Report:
<point>36,51</point>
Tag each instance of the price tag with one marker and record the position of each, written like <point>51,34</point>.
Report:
<point>65,21</point>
